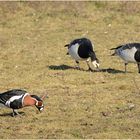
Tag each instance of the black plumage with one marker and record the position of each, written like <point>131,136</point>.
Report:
<point>81,50</point>
<point>15,99</point>
<point>130,53</point>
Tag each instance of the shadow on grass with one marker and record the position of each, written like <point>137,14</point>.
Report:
<point>66,67</point>
<point>110,70</point>
<point>61,67</point>
<point>10,114</point>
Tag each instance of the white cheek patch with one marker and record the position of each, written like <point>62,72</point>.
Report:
<point>41,109</point>
<point>95,64</point>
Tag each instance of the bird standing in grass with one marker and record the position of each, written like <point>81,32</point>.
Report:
<point>130,53</point>
<point>82,49</point>
<point>17,98</point>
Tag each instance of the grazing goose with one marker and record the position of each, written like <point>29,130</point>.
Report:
<point>17,98</point>
<point>130,53</point>
<point>82,49</point>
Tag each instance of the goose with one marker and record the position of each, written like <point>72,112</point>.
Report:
<point>130,53</point>
<point>17,98</point>
<point>81,49</point>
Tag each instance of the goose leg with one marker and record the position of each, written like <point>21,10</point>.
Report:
<point>89,68</point>
<point>125,67</point>
<point>138,67</point>
<point>77,67</point>
<point>15,113</point>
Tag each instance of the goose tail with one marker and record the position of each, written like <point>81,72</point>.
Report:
<point>1,99</point>
<point>117,47</point>
<point>66,45</point>
<point>113,54</point>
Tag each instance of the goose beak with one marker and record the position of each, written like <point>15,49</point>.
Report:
<point>40,108</point>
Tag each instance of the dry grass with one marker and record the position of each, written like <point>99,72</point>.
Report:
<point>81,104</point>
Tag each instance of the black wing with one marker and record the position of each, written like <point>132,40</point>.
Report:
<point>8,94</point>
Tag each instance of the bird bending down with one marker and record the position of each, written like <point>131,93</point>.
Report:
<point>17,98</point>
<point>82,50</point>
<point>130,53</point>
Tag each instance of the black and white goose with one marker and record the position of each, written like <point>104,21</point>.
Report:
<point>82,50</point>
<point>130,53</point>
<point>17,98</point>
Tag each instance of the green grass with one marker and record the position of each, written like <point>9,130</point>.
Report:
<point>81,104</point>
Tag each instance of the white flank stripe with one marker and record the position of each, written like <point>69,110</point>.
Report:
<point>12,99</point>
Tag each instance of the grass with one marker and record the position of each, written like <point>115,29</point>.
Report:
<point>81,104</point>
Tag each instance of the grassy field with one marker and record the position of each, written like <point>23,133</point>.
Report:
<point>81,104</point>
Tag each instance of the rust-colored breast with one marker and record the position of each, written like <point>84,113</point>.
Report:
<point>29,101</point>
